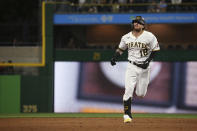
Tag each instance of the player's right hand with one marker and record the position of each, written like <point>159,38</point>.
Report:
<point>113,61</point>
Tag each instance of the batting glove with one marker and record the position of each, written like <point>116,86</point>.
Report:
<point>113,61</point>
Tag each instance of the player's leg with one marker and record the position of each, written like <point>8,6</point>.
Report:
<point>130,82</point>
<point>142,83</point>
<point>127,110</point>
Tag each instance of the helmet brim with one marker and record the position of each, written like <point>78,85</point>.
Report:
<point>139,21</point>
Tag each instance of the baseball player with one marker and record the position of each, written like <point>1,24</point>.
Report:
<point>142,47</point>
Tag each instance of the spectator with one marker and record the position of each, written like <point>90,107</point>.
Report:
<point>176,1</point>
<point>81,7</point>
<point>130,8</point>
<point>115,6</point>
<point>122,5</point>
<point>162,6</point>
<point>176,5</point>
<point>92,8</point>
<point>152,8</point>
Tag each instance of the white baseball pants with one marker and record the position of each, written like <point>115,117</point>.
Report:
<point>136,77</point>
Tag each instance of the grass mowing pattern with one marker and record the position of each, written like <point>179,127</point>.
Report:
<point>99,115</point>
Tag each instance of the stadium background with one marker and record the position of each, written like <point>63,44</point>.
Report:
<point>46,65</point>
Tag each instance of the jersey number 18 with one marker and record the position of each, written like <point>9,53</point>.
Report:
<point>144,52</point>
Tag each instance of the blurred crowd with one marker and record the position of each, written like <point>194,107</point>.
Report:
<point>114,6</point>
<point>22,28</point>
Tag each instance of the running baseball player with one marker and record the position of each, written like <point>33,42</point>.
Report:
<point>142,47</point>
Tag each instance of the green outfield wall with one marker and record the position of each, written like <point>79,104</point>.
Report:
<point>10,93</point>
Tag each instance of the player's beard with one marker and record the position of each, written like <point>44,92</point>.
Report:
<point>138,30</point>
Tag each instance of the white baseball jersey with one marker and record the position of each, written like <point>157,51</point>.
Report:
<point>139,48</point>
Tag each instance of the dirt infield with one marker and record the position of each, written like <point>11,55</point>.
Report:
<point>97,124</point>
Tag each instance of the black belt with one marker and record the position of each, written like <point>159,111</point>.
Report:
<point>138,65</point>
<point>132,62</point>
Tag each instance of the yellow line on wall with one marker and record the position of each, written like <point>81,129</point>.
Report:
<point>43,33</point>
<point>22,64</point>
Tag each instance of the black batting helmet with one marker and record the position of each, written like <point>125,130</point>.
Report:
<point>140,20</point>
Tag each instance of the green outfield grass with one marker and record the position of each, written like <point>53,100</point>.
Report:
<point>62,115</point>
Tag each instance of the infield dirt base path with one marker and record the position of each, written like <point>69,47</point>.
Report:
<point>97,124</point>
